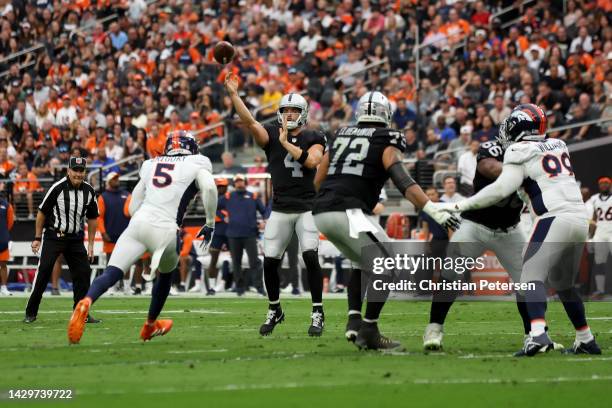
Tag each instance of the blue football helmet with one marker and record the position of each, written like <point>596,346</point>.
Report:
<point>180,143</point>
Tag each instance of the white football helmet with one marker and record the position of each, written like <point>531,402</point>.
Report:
<point>293,100</point>
<point>374,107</point>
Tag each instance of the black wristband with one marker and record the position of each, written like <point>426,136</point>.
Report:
<point>303,157</point>
<point>37,239</point>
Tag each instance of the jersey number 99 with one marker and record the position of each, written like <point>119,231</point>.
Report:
<point>554,166</point>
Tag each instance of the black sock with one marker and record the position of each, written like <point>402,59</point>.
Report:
<point>441,303</point>
<point>355,299</point>
<point>522,308</point>
<point>373,310</point>
<point>315,276</point>
<point>272,279</point>
<point>536,301</point>
<point>159,294</point>
<point>111,275</point>
<point>573,307</point>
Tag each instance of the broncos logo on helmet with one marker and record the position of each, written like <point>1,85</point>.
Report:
<point>180,143</point>
<point>527,122</point>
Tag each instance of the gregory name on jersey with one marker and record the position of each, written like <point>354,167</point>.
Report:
<point>169,159</point>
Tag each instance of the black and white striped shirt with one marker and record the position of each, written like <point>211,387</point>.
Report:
<point>65,206</point>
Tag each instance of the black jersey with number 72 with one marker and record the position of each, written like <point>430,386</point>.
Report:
<point>356,173</point>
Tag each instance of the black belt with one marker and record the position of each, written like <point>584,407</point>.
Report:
<point>62,234</point>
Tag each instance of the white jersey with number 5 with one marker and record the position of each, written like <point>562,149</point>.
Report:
<point>549,177</point>
<point>170,184</point>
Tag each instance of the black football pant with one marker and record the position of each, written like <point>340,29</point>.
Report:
<point>237,247</point>
<point>75,255</point>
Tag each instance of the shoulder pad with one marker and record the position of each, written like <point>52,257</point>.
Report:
<point>390,137</point>
<point>490,150</point>
<point>519,153</point>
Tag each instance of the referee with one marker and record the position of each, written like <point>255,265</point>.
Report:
<point>62,213</point>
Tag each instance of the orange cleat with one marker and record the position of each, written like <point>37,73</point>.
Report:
<point>76,327</point>
<point>157,328</point>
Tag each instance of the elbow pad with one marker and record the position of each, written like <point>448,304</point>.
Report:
<point>400,177</point>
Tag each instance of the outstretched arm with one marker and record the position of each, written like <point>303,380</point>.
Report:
<point>208,193</point>
<point>507,183</point>
<point>259,133</point>
<point>392,161</point>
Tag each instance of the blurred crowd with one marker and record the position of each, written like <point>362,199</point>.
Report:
<point>109,79</point>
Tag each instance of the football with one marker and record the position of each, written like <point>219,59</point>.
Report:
<point>223,52</point>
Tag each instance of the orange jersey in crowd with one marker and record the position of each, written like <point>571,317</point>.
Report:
<point>6,167</point>
<point>27,184</point>
<point>187,244</point>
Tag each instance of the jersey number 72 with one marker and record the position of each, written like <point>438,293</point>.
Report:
<point>349,155</point>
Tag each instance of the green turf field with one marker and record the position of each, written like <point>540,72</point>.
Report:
<point>214,357</point>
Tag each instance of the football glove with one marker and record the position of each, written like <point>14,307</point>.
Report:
<point>441,215</point>
<point>207,234</point>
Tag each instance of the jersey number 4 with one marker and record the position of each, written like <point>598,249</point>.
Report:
<point>162,177</point>
<point>349,155</point>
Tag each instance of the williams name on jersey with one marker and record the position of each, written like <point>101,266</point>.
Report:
<point>293,184</point>
<point>356,173</point>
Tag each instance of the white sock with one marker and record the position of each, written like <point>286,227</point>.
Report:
<point>354,312</point>
<point>3,287</point>
<point>538,326</point>
<point>370,320</point>
<point>584,335</point>
<point>183,283</point>
<point>600,281</point>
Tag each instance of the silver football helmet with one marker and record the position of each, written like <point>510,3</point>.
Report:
<point>293,100</point>
<point>374,107</point>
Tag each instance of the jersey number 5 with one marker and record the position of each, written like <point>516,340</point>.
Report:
<point>350,154</point>
<point>162,177</point>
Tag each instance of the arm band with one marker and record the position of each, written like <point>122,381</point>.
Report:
<point>400,177</point>
<point>37,239</point>
<point>303,157</point>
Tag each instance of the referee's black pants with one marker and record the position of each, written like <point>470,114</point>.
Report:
<point>75,255</point>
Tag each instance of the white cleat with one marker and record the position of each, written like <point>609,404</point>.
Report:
<point>197,287</point>
<point>174,291</point>
<point>432,339</point>
<point>4,291</point>
<point>220,287</point>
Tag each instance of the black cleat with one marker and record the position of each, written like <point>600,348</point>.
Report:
<point>533,345</point>
<point>584,348</point>
<point>91,319</point>
<point>352,327</point>
<point>274,317</point>
<point>29,319</point>
<point>369,338</point>
<point>210,292</point>
<point>317,324</point>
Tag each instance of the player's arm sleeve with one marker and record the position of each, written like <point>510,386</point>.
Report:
<point>507,183</point>
<point>138,195</point>
<point>102,211</point>
<point>208,194</point>
<point>10,217</point>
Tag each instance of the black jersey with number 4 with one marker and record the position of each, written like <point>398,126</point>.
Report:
<point>506,213</point>
<point>356,173</point>
<point>293,184</point>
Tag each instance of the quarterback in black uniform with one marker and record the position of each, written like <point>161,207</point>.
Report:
<point>293,155</point>
<point>494,228</point>
<point>359,161</point>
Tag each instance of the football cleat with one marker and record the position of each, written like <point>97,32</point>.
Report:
<point>553,347</point>
<point>584,348</point>
<point>4,291</point>
<point>369,338</point>
<point>157,328</point>
<point>92,320</point>
<point>352,327</point>
<point>317,324</point>
<point>533,345</point>
<point>79,317</point>
<point>29,319</point>
<point>274,317</point>
<point>432,339</point>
